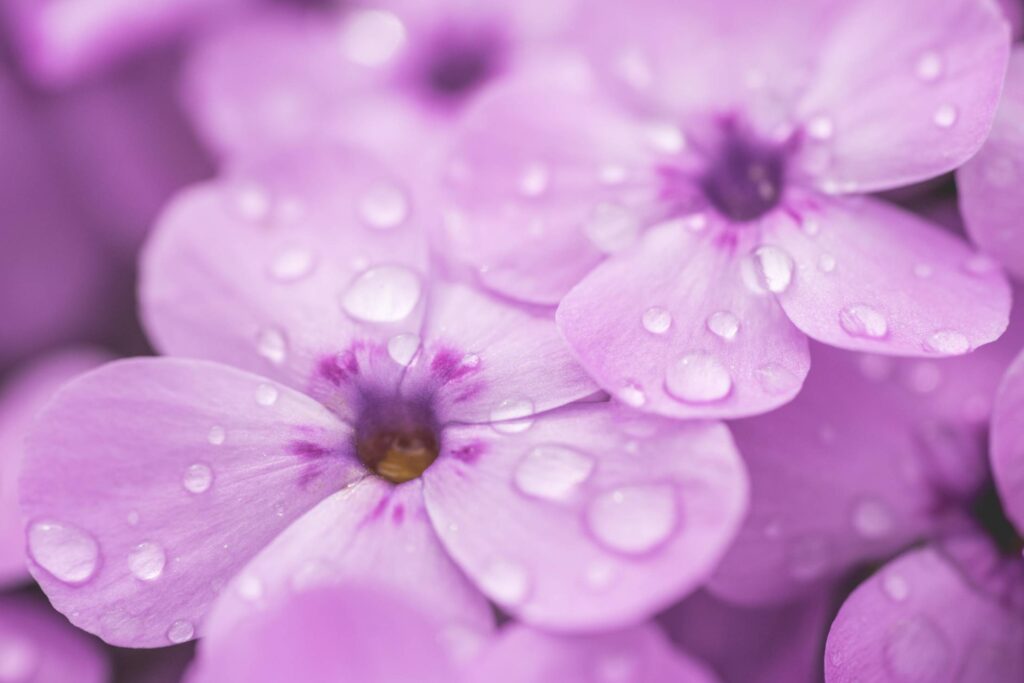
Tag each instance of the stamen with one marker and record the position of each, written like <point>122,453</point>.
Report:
<point>398,455</point>
<point>745,178</point>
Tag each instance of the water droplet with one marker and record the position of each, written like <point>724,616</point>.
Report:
<point>250,587</point>
<point>266,395</point>
<point>948,343</point>
<point>251,202</point>
<point>923,270</point>
<point>860,320</point>
<point>980,264</point>
<point>611,228</point>
<point>657,320</point>
<point>552,472</point>
<point>534,180</point>
<point>292,264</point>
<point>634,519</point>
<point>217,435</point>
<point>198,478</point>
<point>666,138</point>
<point>929,66</point>
<point>808,557</point>
<point>372,37</point>
<point>384,294</point>
<point>895,586</point>
<point>403,347</point>
<point>68,553</point>
<point>612,174</point>
<point>1001,171</point>
<point>916,651</point>
<point>945,116</point>
<point>821,127</point>
<point>695,222</point>
<point>600,574</point>
<point>872,519</point>
<point>512,415</point>
<point>775,268</point>
<point>506,582</point>
<point>632,394</point>
<point>271,344</point>
<point>826,263</point>
<point>776,379</point>
<point>633,68</point>
<point>698,378</point>
<point>133,518</point>
<point>384,206</point>
<point>147,561</point>
<point>180,631</point>
<point>724,325</point>
<point>810,226</point>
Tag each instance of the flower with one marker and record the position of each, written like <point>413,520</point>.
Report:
<point>695,206</point>
<point>336,410</point>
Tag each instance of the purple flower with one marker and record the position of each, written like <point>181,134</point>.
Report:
<point>695,203</point>
<point>338,410</point>
<point>38,645</point>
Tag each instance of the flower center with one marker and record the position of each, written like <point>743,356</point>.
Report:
<point>745,177</point>
<point>397,444</point>
<point>460,62</point>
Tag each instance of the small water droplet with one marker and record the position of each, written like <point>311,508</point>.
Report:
<point>633,68</point>
<point>384,294</point>
<point>695,222</point>
<point>402,348</point>
<point>371,37</point>
<point>133,518</point>
<point>384,206</point>
<point>632,394</point>
<point>272,345</point>
<point>864,321</point>
<point>916,651</point>
<point>810,226</point>
<point>217,435</point>
<point>506,582</point>
<point>895,586</point>
<point>724,325</point>
<point>252,202</point>
<point>698,378</point>
<point>146,561</point>
<point>552,472</point>
<point>599,575</point>
<point>512,415</point>
<point>876,368</point>
<point>808,557</point>
<point>821,127</point>
<point>945,116</point>
<point>180,631</point>
<point>948,343</point>
<point>980,264</point>
<point>611,228</point>
<point>776,379</point>
<point>1001,171</point>
<point>774,267</point>
<point>198,478</point>
<point>872,519</point>
<point>657,320</point>
<point>534,180</point>
<point>612,174</point>
<point>923,270</point>
<point>250,588</point>
<point>826,263</point>
<point>666,138</point>
<point>634,519</point>
<point>266,395</point>
<point>929,66</point>
<point>68,553</point>
<point>292,264</point>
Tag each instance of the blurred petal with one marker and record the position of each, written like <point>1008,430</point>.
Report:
<point>38,645</point>
<point>1007,442</point>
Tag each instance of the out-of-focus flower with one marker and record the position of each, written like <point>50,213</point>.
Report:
<point>38,645</point>
<point>354,633</point>
<point>704,187</point>
<point>152,483</point>
<point>390,74</point>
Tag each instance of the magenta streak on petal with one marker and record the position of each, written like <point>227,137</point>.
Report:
<point>469,453</point>
<point>308,449</point>
<point>449,365</point>
<point>398,514</point>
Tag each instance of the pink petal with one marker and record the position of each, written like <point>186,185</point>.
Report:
<point>988,183</point>
<point>671,327</point>
<point>873,277</point>
<point>40,646</point>
<point>640,654</point>
<point>24,395</point>
<point>352,633</point>
<point>1007,442</point>
<point>150,482</point>
<point>484,360</point>
<point>919,619</point>
<point>371,533</point>
<point>586,518</point>
<point>286,264</point>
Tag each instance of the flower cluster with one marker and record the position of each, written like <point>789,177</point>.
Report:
<point>518,341</point>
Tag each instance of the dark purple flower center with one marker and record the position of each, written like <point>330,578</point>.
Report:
<point>744,178</point>
<point>396,440</point>
<point>458,62</point>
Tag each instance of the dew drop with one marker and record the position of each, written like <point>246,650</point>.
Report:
<point>180,631</point>
<point>68,553</point>
<point>372,37</point>
<point>513,415</point>
<point>808,557</point>
<point>923,270</point>
<point>612,174</point>
<point>634,519</point>
<point>250,588</point>
<point>252,202</point>
<point>198,478</point>
<point>534,180</point>
<point>698,378</point>
<point>599,575</point>
<point>266,395</point>
<point>611,228</point>
<point>863,321</point>
<point>402,348</point>
<point>827,263</point>
<point>929,66</point>
<point>271,344</point>
<point>666,138</point>
<point>506,582</point>
<point>895,586</point>
<point>217,435</point>
<point>146,562</point>
<point>945,116</point>
<point>384,294</point>
<point>552,472</point>
<point>820,128</point>
<point>774,267</point>
<point>776,379</point>
<point>632,394</point>
<point>292,264</point>
<point>916,651</point>
<point>948,343</point>
<point>657,320</point>
<point>872,519</point>
<point>980,264</point>
<point>384,206</point>
<point>724,325</point>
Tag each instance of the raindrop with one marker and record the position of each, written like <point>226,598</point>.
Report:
<point>808,557</point>
<point>217,435</point>
<point>384,206</point>
<point>666,138</point>
<point>895,586</point>
<point>266,395</point>
<point>612,174</point>
<point>916,651</point>
<point>147,561</point>
<point>384,294</point>
<point>271,344</point>
<point>611,228</point>
<point>776,379</point>
<point>292,264</point>
<point>68,553</point>
<point>250,588</point>
<point>506,582</point>
<point>252,202</point>
<point>775,268</point>
<point>198,478</point>
<point>534,180</point>
<point>632,394</point>
<point>827,263</point>
<point>180,631</point>
<point>372,37</point>
<point>512,415</point>
<point>860,320</point>
<point>821,128</point>
<point>872,519</point>
<point>402,348</point>
<point>698,378</point>
<point>552,472</point>
<point>980,264</point>
<point>634,519</point>
<point>724,325</point>
<point>657,320</point>
<point>929,66</point>
<point>948,342</point>
<point>923,270</point>
<point>945,116</point>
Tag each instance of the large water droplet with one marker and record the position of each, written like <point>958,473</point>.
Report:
<point>272,345</point>
<point>147,561</point>
<point>552,472</point>
<point>384,206</point>
<point>402,348</point>
<point>634,519</point>
<point>860,320</point>
<point>384,294</point>
<point>872,518</point>
<point>512,415</point>
<point>506,582</point>
<point>657,320</point>
<point>266,395</point>
<point>698,378</point>
<point>68,553</point>
<point>948,343</point>
<point>198,478</point>
<point>612,228</point>
<point>292,264</point>
<point>916,651</point>
<point>180,631</point>
<point>217,435</point>
<point>774,268</point>
<point>945,116</point>
<point>724,325</point>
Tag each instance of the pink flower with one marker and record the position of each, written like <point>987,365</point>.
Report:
<point>695,205</point>
<point>339,411</point>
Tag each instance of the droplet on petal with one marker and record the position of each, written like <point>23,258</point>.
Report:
<point>724,325</point>
<point>198,478</point>
<point>534,180</point>
<point>820,127</point>
<point>634,519</point>
<point>945,116</point>
<point>552,472</point>
<point>272,345</point>
<point>808,557</point>
<point>826,263</point>
<point>929,66</point>
<point>266,395</point>
<point>916,651</point>
<point>217,435</point>
<point>384,294</point>
<point>698,378</point>
<point>860,320</point>
<point>402,348</point>
<point>512,415</point>
<point>384,206</point>
<point>948,343</point>
<point>872,519</point>
<point>632,394</point>
<point>68,553</point>
<point>146,562</point>
<point>895,586</point>
<point>657,320</point>
<point>372,37</point>
<point>180,631</point>
<point>292,264</point>
<point>506,582</point>
<point>774,267</point>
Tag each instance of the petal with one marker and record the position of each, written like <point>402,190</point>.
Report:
<point>907,105</point>
<point>671,327</point>
<point>640,654</point>
<point>150,482</point>
<point>24,395</point>
<point>40,646</point>
<point>286,263</point>
<point>876,278</point>
<point>587,518</point>
<point>347,633</point>
<point>988,183</point>
<point>485,360</point>
<point>371,533</point>
<point>919,619</point>
<point>753,644</point>
<point>1007,442</point>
